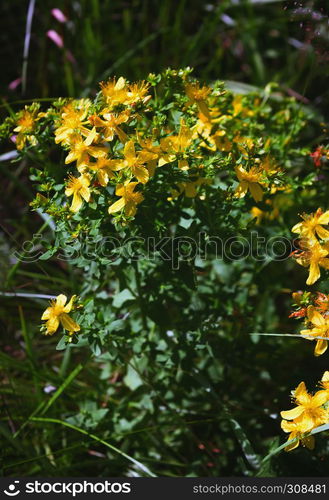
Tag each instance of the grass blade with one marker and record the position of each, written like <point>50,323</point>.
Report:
<point>43,407</point>
<point>142,467</point>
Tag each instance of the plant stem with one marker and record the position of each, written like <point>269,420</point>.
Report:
<point>140,295</point>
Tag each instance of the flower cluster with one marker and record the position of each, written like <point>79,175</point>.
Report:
<point>178,157</point>
<point>107,145</point>
<point>26,124</point>
<point>314,308</point>
<point>119,143</point>
<point>314,247</point>
<point>313,254</point>
<point>310,412</point>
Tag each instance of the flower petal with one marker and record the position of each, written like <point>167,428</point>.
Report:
<point>85,193</point>
<point>287,426</point>
<point>130,209</point>
<point>321,232</point>
<point>183,164</point>
<point>129,151</point>
<point>47,313</point>
<point>61,300</point>
<point>141,173</point>
<point>68,323</point>
<point>52,325</point>
<point>121,134</point>
<point>69,305</point>
<point>76,202</point>
<point>324,218</point>
<point>309,442</point>
<point>321,347</point>
<point>315,317</point>
<point>309,333</point>
<point>306,424</point>
<point>242,189</point>
<point>117,206</point>
<point>240,172</point>
<point>291,414</point>
<point>70,157</point>
<point>256,191</point>
<point>319,399</point>
<point>297,228</point>
<point>314,273</point>
<point>103,177</point>
<point>292,446</point>
<point>324,263</point>
<point>301,395</point>
<point>91,137</point>
<point>97,152</point>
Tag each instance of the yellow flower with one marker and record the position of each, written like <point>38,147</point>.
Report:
<point>297,429</point>
<point>105,169</point>
<point>325,383</point>
<point>73,119</point>
<point>268,165</point>
<point>320,329</point>
<point>110,125</point>
<point>135,162</point>
<point>25,126</point>
<point>175,146</point>
<point>189,188</point>
<point>249,180</point>
<point>26,122</point>
<point>258,214</point>
<point>57,314</point>
<point>138,92</point>
<point>129,199</point>
<point>309,408</point>
<point>157,155</point>
<point>198,95</point>
<point>114,92</point>
<point>313,255</point>
<point>79,188</point>
<point>311,227</point>
<point>244,144</point>
<point>203,129</point>
<point>81,150</point>
<point>239,107</point>
<point>261,215</point>
<point>221,141</point>
<point>152,154</point>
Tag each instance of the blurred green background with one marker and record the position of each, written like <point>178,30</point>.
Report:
<point>253,41</point>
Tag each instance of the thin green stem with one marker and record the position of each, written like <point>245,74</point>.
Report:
<point>96,438</point>
<point>140,295</point>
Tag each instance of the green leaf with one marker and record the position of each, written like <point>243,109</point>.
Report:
<point>122,297</point>
<point>132,379</point>
<point>249,453</point>
<point>62,344</point>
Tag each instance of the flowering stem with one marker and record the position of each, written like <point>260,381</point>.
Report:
<point>65,362</point>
